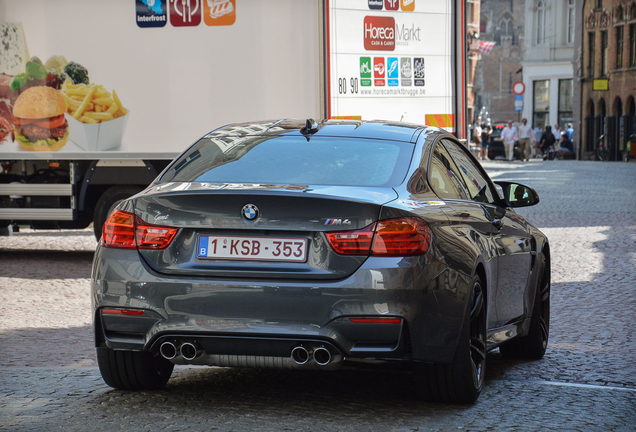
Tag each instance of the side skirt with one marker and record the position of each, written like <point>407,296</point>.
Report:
<point>499,335</point>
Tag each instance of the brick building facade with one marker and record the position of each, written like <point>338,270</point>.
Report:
<point>501,21</point>
<point>607,72</point>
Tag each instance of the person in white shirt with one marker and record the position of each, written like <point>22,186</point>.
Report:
<point>557,132</point>
<point>509,134</point>
<point>525,135</point>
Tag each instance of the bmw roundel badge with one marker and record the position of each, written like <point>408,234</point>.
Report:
<point>250,212</point>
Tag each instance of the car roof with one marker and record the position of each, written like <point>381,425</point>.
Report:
<point>375,129</point>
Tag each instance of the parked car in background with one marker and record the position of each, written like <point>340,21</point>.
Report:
<point>496,147</point>
<point>300,245</point>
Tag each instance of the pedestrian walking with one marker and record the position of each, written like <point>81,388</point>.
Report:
<point>509,135</point>
<point>486,130</point>
<point>525,139</point>
<point>477,131</point>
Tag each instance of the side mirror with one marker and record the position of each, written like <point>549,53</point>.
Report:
<point>518,195</point>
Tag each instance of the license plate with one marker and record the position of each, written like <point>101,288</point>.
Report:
<point>253,248</point>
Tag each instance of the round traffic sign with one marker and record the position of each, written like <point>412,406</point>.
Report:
<point>518,88</point>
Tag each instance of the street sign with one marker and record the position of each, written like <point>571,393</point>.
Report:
<point>518,88</point>
<point>518,102</point>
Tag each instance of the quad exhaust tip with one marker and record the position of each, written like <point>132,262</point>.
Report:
<point>300,355</point>
<point>189,351</point>
<point>168,350</point>
<point>322,356</point>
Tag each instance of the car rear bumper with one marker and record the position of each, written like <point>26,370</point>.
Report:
<point>420,301</point>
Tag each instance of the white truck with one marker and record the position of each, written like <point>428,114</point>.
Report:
<point>181,68</point>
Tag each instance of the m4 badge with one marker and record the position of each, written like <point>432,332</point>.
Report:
<point>338,222</point>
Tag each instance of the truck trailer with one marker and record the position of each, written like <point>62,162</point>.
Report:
<point>140,80</point>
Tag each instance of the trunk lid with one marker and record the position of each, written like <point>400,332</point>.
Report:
<point>290,224</point>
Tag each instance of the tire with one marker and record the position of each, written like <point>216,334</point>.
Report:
<point>133,370</point>
<point>462,380</point>
<point>533,345</point>
<point>107,203</point>
<point>602,154</point>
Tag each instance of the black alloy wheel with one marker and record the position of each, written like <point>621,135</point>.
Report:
<point>478,336</point>
<point>462,380</point>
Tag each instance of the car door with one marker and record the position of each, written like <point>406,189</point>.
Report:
<point>510,236</point>
<point>469,233</point>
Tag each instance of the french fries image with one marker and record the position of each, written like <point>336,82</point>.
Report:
<point>91,103</point>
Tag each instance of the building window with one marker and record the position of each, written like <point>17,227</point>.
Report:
<point>619,13</point>
<point>598,4</point>
<point>620,37</point>
<point>570,24</point>
<point>541,103</point>
<point>505,26</point>
<point>604,53</point>
<point>540,23</point>
<point>566,107</point>
<point>590,54</point>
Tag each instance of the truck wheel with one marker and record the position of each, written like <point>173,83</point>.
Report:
<point>133,370</point>
<point>107,203</point>
<point>462,380</point>
<point>533,345</point>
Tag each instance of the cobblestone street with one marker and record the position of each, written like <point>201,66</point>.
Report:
<point>49,380</point>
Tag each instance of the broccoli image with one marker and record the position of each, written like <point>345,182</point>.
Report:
<point>76,72</point>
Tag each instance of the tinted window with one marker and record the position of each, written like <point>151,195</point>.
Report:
<point>293,160</point>
<point>443,175</point>
<point>478,187</point>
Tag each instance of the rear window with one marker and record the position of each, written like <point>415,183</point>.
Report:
<point>293,160</point>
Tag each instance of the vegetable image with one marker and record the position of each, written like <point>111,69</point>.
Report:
<point>34,71</point>
<point>76,72</point>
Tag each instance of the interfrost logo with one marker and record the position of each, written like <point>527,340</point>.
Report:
<point>379,33</point>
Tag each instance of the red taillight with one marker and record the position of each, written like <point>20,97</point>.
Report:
<point>125,230</point>
<point>401,237</point>
<point>375,320</point>
<point>393,237</point>
<point>352,242</point>
<point>119,230</point>
<point>153,236</point>
<point>122,312</point>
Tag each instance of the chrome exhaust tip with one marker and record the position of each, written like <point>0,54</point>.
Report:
<point>300,355</point>
<point>322,356</point>
<point>168,350</point>
<point>189,351</point>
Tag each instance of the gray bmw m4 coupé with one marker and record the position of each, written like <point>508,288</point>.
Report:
<point>302,245</point>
